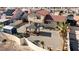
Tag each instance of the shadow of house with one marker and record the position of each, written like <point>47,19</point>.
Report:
<point>48,19</point>
<point>49,22</point>
<point>24,16</point>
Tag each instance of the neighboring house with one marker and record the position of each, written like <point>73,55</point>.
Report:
<point>76,18</point>
<point>31,16</point>
<point>9,12</point>
<point>52,21</point>
<point>17,14</point>
<point>70,17</point>
<point>71,20</point>
<point>34,16</point>
<point>46,15</point>
<point>58,18</point>
<point>41,14</point>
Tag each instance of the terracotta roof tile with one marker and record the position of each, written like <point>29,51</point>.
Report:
<point>58,18</point>
<point>42,12</point>
<point>76,18</point>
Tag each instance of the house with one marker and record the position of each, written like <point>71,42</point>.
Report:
<point>71,20</point>
<point>58,18</point>
<point>46,15</point>
<point>76,18</point>
<point>42,14</point>
<point>17,14</point>
<point>37,15</point>
<point>9,12</point>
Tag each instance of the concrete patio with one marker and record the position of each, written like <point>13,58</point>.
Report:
<point>55,42</point>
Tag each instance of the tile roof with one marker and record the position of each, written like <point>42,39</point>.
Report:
<point>58,18</point>
<point>76,18</point>
<point>55,17</point>
<point>42,12</point>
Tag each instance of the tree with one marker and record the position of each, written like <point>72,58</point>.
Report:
<point>42,43</point>
<point>1,33</point>
<point>1,25</point>
<point>62,26</point>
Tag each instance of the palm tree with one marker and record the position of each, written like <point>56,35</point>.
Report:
<point>1,25</point>
<point>62,26</point>
<point>42,43</point>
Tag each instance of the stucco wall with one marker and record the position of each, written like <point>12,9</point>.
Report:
<point>12,37</point>
<point>18,41</point>
<point>33,46</point>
